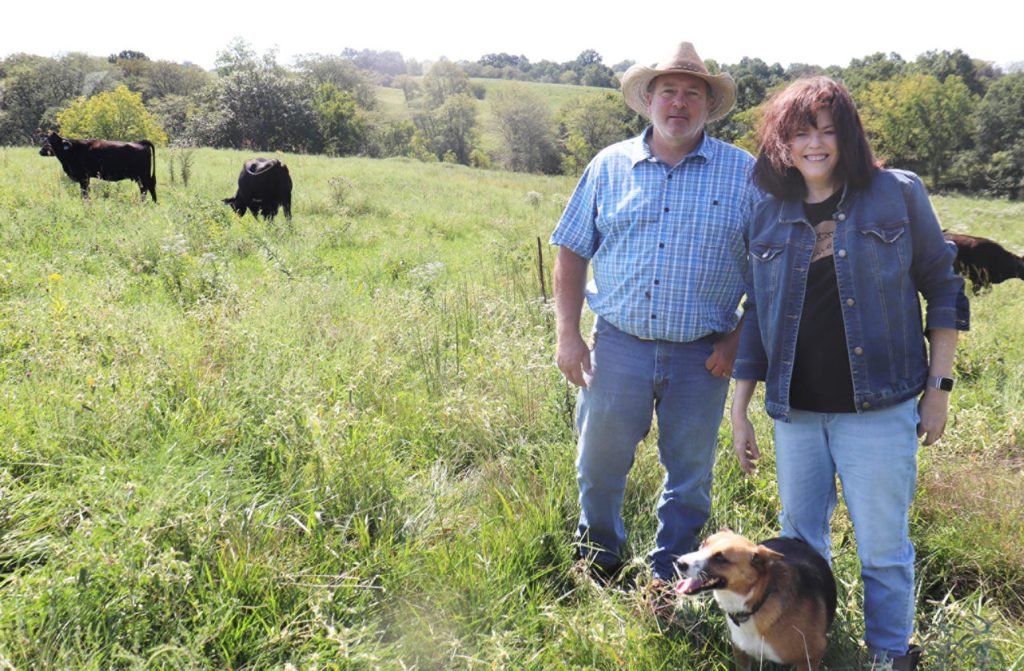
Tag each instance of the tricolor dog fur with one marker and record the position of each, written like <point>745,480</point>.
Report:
<point>779,596</point>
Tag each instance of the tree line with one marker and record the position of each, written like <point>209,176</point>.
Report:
<point>957,120</point>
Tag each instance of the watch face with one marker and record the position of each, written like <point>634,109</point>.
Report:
<point>945,384</point>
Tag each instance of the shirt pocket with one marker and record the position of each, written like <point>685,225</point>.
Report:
<point>617,216</point>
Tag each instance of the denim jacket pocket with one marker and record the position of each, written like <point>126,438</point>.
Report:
<point>767,264</point>
<point>887,248</point>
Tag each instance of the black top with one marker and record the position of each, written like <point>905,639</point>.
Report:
<point>822,381</point>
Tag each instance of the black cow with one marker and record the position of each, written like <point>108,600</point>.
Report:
<point>985,262</point>
<point>104,159</point>
<point>264,186</point>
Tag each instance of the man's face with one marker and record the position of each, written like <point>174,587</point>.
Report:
<point>679,108</point>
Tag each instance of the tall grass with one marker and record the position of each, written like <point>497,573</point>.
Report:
<point>340,442</point>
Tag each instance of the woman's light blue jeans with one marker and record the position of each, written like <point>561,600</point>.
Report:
<point>875,456</point>
<point>632,380</point>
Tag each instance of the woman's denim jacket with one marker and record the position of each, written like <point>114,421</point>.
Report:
<point>888,247</point>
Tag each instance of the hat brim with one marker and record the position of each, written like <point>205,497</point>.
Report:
<point>638,77</point>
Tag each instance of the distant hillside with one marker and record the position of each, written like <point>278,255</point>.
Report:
<point>392,101</point>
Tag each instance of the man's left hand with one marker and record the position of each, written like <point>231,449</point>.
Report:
<point>723,355</point>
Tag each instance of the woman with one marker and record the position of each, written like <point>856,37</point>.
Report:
<point>838,255</point>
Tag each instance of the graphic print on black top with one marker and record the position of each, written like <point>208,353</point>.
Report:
<point>822,381</point>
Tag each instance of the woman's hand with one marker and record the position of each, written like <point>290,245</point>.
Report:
<point>934,411</point>
<point>745,443</point>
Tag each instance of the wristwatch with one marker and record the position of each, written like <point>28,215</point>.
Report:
<point>943,383</point>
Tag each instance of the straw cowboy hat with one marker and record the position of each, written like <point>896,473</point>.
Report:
<point>684,61</point>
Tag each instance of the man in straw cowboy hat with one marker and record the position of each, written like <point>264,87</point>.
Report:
<point>660,218</point>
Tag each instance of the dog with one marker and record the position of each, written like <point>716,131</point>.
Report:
<point>779,596</point>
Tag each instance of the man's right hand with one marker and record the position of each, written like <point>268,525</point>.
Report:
<point>573,358</point>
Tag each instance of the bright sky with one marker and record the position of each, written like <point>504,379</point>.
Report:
<point>781,31</point>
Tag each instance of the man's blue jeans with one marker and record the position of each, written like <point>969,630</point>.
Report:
<point>633,379</point>
<point>875,455</point>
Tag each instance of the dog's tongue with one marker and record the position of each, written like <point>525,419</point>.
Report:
<point>687,585</point>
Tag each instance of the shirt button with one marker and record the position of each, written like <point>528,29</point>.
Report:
<point>850,302</point>
<point>654,316</point>
<point>842,253</point>
<point>666,209</point>
<point>661,245</point>
<point>858,350</point>
<point>647,294</point>
<point>657,282</point>
<point>841,216</point>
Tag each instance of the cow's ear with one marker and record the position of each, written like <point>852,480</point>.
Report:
<point>66,145</point>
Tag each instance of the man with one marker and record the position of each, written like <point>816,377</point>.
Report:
<point>660,217</point>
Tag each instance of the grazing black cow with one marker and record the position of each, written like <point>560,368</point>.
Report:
<point>264,186</point>
<point>104,159</point>
<point>985,262</point>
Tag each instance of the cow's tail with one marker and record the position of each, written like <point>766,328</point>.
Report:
<point>152,167</point>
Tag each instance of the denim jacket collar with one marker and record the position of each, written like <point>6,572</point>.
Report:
<point>792,211</point>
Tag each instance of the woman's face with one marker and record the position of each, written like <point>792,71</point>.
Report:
<point>814,151</point>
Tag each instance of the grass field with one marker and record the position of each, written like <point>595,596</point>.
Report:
<point>340,442</point>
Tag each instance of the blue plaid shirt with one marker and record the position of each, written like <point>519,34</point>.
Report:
<point>665,243</point>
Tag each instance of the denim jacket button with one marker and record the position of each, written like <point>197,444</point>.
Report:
<point>842,253</point>
<point>865,405</point>
<point>850,302</point>
<point>858,350</point>
<point>841,216</point>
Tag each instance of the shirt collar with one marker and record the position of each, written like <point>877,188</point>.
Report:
<point>641,151</point>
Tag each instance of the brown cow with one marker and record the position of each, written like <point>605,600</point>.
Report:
<point>104,159</point>
<point>984,262</point>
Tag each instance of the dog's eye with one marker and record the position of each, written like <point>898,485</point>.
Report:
<point>719,558</point>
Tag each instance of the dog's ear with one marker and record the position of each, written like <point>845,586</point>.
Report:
<point>763,557</point>
<point>721,529</point>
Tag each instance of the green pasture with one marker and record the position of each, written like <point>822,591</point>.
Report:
<point>340,442</point>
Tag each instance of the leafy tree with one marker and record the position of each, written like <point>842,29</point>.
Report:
<point>388,63</point>
<point>524,122</point>
<point>116,115</point>
<point>591,123</point>
<point>450,128</point>
<point>255,104</point>
<point>622,66</point>
<point>445,79</point>
<point>587,57</point>
<point>171,112</point>
<point>503,60</point>
<point>999,135</point>
<point>942,64</point>
<point>166,78</point>
<point>128,55</point>
<point>341,73</point>
<point>877,67</point>
<point>342,129</point>
<point>919,122</point>
<point>36,88</point>
<point>1000,115</point>
<point>389,138</point>
<point>755,80</point>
